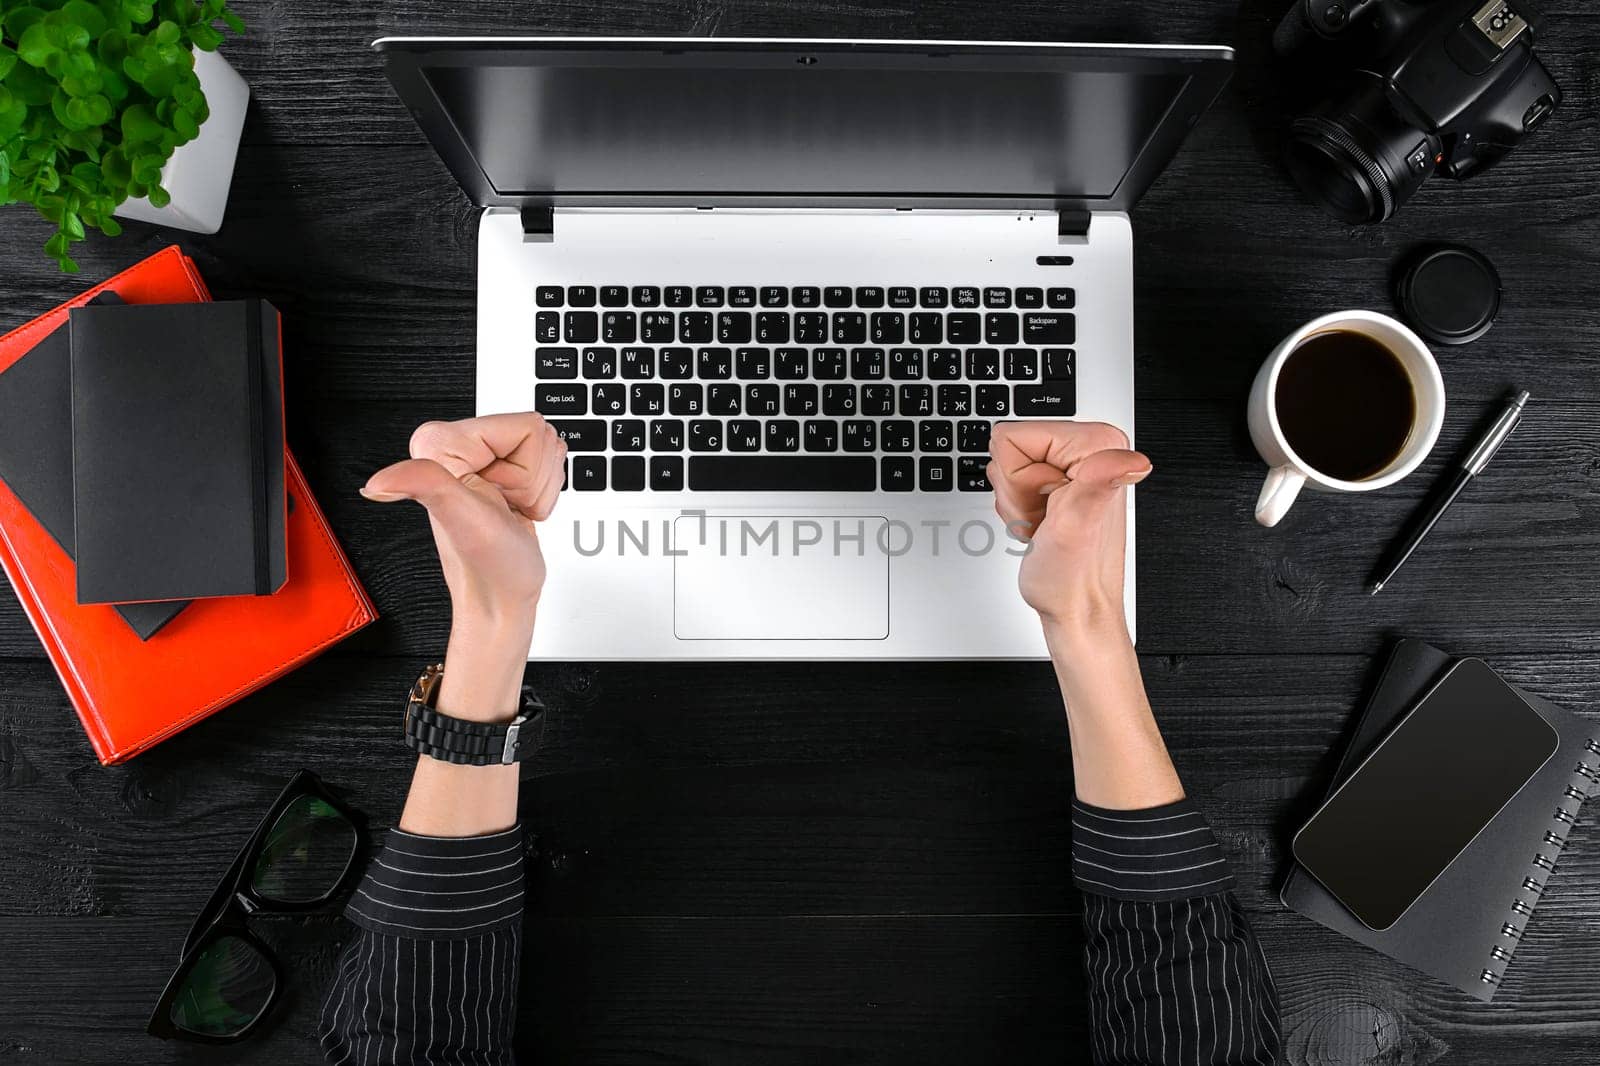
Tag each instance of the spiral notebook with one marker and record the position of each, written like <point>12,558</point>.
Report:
<point>1465,928</point>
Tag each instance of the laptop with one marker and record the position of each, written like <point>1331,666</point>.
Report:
<point>775,293</point>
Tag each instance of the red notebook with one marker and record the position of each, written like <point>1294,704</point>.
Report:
<point>131,694</point>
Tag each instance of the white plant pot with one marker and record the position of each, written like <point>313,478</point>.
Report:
<point>200,173</point>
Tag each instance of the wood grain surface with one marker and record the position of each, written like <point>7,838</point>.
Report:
<point>856,864</point>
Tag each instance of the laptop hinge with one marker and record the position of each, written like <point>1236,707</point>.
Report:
<point>1072,225</point>
<point>538,224</point>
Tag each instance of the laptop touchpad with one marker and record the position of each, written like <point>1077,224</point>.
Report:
<point>780,577</point>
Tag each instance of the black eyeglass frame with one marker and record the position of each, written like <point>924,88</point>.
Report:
<point>235,900</point>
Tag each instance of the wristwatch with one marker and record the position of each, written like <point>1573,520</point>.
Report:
<point>454,740</point>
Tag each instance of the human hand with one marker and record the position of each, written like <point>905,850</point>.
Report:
<point>1062,486</point>
<point>484,482</point>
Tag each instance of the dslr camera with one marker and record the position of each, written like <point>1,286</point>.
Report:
<point>1419,87</point>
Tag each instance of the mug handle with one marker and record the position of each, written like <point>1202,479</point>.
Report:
<point>1283,485</point>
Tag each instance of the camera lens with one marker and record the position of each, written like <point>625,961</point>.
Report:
<point>1356,157</point>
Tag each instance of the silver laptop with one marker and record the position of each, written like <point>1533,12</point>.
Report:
<point>774,293</point>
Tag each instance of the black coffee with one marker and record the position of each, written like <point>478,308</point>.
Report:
<point>1346,404</point>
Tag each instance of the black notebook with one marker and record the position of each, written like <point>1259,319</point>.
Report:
<point>1466,926</point>
<point>177,451</point>
<point>36,453</point>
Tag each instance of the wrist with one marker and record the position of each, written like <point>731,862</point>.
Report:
<point>483,669</point>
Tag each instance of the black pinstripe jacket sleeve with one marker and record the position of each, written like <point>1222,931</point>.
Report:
<point>1175,973</point>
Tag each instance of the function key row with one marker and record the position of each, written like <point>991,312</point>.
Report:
<point>805,296</point>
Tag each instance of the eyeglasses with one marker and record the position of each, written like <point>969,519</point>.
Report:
<point>297,859</point>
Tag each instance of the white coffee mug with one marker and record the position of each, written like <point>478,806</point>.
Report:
<point>1290,473</point>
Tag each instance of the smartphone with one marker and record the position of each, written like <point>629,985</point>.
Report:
<point>1424,793</point>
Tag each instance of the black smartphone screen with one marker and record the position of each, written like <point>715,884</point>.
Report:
<point>1424,793</point>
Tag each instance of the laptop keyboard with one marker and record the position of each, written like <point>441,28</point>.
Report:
<point>811,388</point>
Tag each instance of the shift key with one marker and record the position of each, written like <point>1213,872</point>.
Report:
<point>581,434</point>
<point>1050,327</point>
<point>1055,399</point>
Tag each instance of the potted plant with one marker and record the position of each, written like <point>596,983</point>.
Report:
<point>102,104</point>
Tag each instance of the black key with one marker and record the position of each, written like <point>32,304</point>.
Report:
<point>723,399</point>
<point>627,435</point>
<point>646,295</point>
<point>744,435</point>
<point>964,329</point>
<point>733,327</point>
<point>972,473</point>
<point>1051,398</point>
<point>836,296</point>
<point>993,400</point>
<point>549,296</point>
<point>613,296</point>
<point>888,327</point>
<point>688,398</point>
<point>581,327</point>
<point>997,296</point>
<point>1000,327</point>
<point>555,363</point>
<point>935,435</point>
<point>1030,297</point>
<point>627,473</point>
<point>791,364</point>
<point>742,296</point>
<point>1049,329</point>
<point>783,435</point>
<point>972,436</point>
<point>547,327</point>
<point>611,399</point>
<point>800,400</point>
<point>869,296</point>
<point>709,296</point>
<point>772,327</point>
<point>647,399</point>
<point>828,364</point>
<point>964,298</point>
<point>762,399</point>
<point>680,296</point>
<point>899,435</point>
<point>807,296</point>
<point>677,364</point>
<point>983,364</point>
<point>1059,364</point>
<point>716,364</point>
<point>905,364</point>
<point>944,364</point>
<point>934,296</point>
<point>619,327</point>
<point>838,399</point>
<point>705,435</point>
<point>916,399</point>
<point>599,362</point>
<point>902,296</point>
<point>588,473</point>
<point>938,473</point>
<point>655,327</point>
<point>811,327</point>
<point>877,400</point>
<point>955,401</point>
<point>821,435</point>
<point>581,434</point>
<point>849,327</point>
<point>927,328</point>
<point>666,435</point>
<point>759,473</point>
<point>775,296</point>
<point>753,364</point>
<point>666,473</point>
<point>580,295</point>
<point>695,327</point>
<point>638,363</point>
<point>561,399</point>
<point>899,473</point>
<point>866,364</point>
<point>1022,364</point>
<point>860,435</point>
<point>1064,298</point>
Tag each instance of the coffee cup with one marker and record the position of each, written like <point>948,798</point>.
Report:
<point>1349,402</point>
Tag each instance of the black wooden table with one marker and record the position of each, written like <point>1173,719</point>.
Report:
<point>793,864</point>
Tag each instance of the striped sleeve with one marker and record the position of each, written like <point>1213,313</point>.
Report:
<point>1161,853</point>
<point>440,887</point>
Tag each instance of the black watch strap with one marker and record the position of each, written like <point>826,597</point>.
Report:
<point>439,736</point>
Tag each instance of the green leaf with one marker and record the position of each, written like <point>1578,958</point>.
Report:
<point>232,21</point>
<point>138,11</point>
<point>72,226</point>
<point>167,32</point>
<point>37,45</point>
<point>139,126</point>
<point>18,21</point>
<point>5,169</point>
<point>205,38</point>
<point>8,59</point>
<point>158,196</point>
<point>110,227</point>
<point>185,125</point>
<point>87,15</point>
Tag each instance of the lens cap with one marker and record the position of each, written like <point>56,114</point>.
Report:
<point>1449,293</point>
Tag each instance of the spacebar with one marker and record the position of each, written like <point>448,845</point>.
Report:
<point>799,473</point>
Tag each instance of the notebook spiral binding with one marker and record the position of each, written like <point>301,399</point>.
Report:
<point>1585,775</point>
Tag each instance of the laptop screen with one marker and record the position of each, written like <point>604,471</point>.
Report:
<point>1031,127</point>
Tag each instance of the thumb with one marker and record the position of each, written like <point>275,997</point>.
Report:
<point>1096,479</point>
<point>422,480</point>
